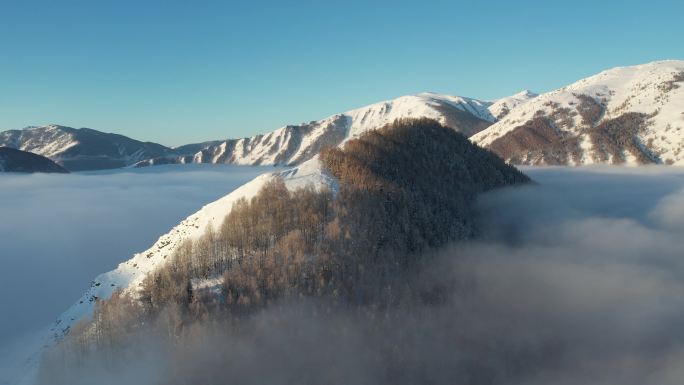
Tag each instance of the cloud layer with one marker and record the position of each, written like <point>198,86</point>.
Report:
<point>57,232</point>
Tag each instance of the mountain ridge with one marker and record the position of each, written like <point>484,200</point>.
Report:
<point>89,149</point>
<point>551,128</point>
<point>80,149</point>
<point>294,144</point>
<point>625,115</point>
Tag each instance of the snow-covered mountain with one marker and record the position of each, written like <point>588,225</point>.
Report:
<point>85,148</point>
<point>295,144</point>
<point>625,115</point>
<point>13,160</point>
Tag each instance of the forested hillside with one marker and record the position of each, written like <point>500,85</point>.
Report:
<point>12,160</point>
<point>405,190</point>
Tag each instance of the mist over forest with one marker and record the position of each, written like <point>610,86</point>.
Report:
<point>576,279</point>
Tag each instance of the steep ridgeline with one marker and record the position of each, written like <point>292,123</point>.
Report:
<point>13,160</point>
<point>626,115</point>
<point>341,225</point>
<point>86,149</point>
<point>291,145</point>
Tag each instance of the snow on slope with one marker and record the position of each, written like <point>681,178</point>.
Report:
<point>48,141</point>
<point>129,274</point>
<point>297,143</point>
<point>655,89</point>
<point>424,105</point>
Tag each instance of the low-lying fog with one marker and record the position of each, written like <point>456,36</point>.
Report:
<point>579,279</point>
<point>57,232</point>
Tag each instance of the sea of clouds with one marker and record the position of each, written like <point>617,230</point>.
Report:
<point>59,231</point>
<point>576,279</point>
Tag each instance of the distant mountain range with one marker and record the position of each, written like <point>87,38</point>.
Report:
<point>88,149</point>
<point>294,144</point>
<point>626,115</point>
<point>13,160</point>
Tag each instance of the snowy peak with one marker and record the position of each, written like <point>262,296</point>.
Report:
<point>526,94</point>
<point>424,105</point>
<point>625,115</point>
<point>501,107</point>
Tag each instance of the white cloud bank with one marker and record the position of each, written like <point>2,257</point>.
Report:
<point>57,232</point>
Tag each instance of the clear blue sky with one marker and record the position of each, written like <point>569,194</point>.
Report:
<point>183,71</point>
